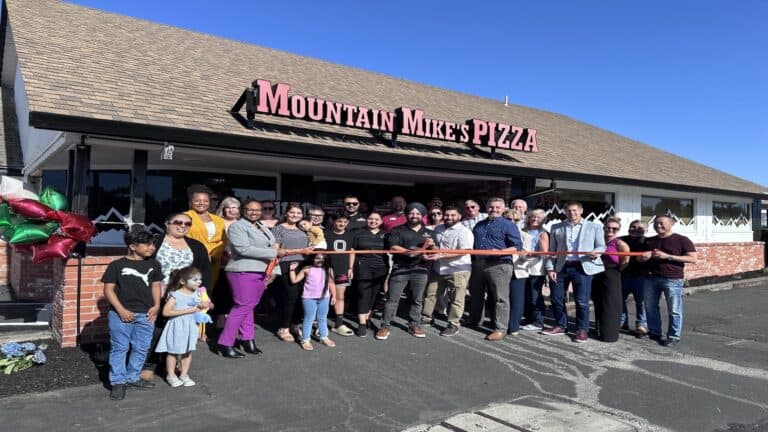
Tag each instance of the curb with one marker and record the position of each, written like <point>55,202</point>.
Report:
<point>736,284</point>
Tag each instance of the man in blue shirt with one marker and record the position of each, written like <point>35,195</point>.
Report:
<point>575,234</point>
<point>493,271</point>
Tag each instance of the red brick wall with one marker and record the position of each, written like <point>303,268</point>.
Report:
<point>93,305</point>
<point>30,281</point>
<point>4,262</point>
<point>721,259</point>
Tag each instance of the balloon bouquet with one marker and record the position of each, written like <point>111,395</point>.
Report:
<point>41,226</point>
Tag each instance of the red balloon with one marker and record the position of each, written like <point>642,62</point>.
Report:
<point>57,247</point>
<point>30,208</point>
<point>74,225</point>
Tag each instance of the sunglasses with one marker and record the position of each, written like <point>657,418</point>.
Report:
<point>470,207</point>
<point>180,223</point>
<point>611,228</point>
<point>636,229</point>
<point>351,203</point>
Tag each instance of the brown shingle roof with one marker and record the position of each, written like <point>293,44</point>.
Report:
<point>78,61</point>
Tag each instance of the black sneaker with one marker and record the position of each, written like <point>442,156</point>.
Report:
<point>141,384</point>
<point>361,330</point>
<point>118,392</point>
<point>654,337</point>
<point>671,342</point>
<point>451,330</point>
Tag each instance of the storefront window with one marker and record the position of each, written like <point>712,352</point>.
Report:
<point>731,214</point>
<point>597,205</point>
<point>680,209</point>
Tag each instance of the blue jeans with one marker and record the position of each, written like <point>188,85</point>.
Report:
<point>136,336</point>
<point>582,287</point>
<point>673,293</point>
<point>534,308</point>
<point>315,309</point>
<point>516,303</point>
<point>631,284</point>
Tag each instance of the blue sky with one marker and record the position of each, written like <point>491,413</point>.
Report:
<point>690,77</point>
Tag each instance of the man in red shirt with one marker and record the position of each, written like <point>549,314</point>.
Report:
<point>397,217</point>
<point>666,258</point>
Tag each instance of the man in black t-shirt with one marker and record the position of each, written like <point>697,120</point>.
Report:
<point>356,220</point>
<point>633,279</point>
<point>132,287</point>
<point>666,259</point>
<point>339,239</point>
<point>408,269</point>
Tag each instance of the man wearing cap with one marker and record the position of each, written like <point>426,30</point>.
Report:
<point>408,269</point>
<point>493,271</point>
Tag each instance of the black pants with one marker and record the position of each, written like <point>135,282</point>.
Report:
<point>606,296</point>
<point>290,298</point>
<point>366,292</point>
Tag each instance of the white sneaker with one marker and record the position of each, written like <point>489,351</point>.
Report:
<point>531,327</point>
<point>174,381</point>
<point>186,380</point>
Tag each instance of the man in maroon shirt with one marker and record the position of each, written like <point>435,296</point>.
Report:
<point>666,256</point>
<point>397,217</point>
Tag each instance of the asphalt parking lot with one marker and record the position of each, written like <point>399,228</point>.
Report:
<point>716,379</point>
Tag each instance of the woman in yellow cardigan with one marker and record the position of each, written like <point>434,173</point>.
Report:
<point>207,228</point>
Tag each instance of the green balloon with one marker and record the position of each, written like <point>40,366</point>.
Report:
<point>5,215</point>
<point>53,199</point>
<point>30,233</point>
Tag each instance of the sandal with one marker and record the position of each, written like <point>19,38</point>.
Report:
<point>327,342</point>
<point>285,335</point>
<point>307,345</point>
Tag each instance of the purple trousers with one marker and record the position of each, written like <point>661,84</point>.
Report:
<point>247,288</point>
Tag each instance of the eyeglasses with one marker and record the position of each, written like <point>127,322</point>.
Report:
<point>316,215</point>
<point>181,223</point>
<point>347,204</point>
<point>611,228</point>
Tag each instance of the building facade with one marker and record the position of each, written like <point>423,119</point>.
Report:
<point>124,114</point>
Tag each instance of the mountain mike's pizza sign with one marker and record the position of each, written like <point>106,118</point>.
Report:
<point>263,97</point>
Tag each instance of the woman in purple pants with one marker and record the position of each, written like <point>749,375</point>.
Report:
<point>251,246</point>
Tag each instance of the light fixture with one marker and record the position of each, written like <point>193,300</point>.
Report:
<point>167,152</point>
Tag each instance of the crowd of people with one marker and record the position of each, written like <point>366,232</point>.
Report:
<point>239,251</point>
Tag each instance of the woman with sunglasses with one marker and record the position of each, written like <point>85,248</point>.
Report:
<point>434,218</point>
<point>268,218</point>
<point>175,251</point>
<point>606,286</point>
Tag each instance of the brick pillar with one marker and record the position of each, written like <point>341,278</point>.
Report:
<point>93,304</point>
<point>30,281</point>
<point>4,263</point>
